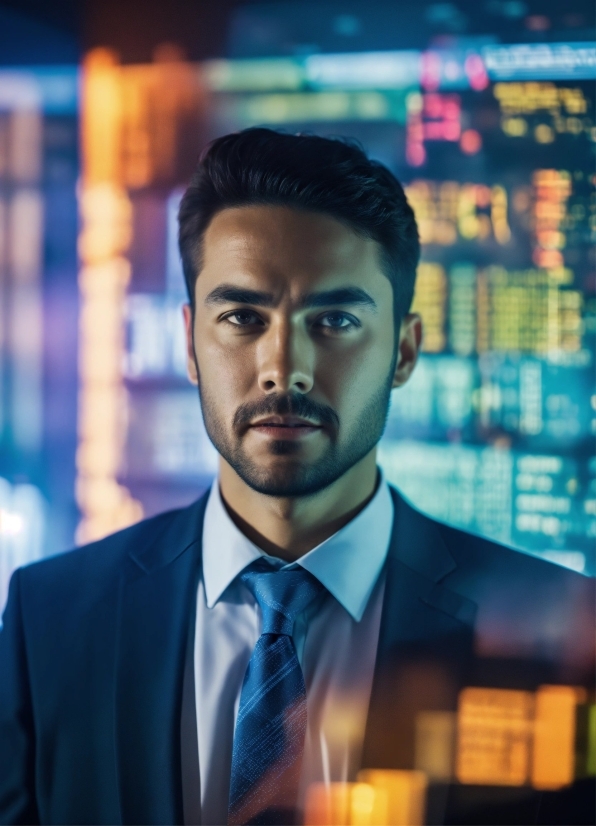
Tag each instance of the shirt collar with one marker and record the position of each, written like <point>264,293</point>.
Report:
<point>348,563</point>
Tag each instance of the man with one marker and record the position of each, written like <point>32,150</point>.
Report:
<point>209,664</point>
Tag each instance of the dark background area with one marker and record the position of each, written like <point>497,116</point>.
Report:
<point>34,32</point>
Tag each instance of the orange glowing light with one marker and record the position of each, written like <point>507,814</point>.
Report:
<point>553,754</point>
<point>552,190</point>
<point>346,804</point>
<point>404,791</point>
<point>327,804</point>
<point>494,733</point>
<point>106,231</point>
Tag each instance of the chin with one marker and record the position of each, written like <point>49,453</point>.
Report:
<point>283,479</point>
<point>288,479</point>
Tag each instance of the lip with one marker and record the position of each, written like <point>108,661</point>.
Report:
<point>284,421</point>
<point>285,427</point>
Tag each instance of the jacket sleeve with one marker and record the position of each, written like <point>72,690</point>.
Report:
<point>17,749</point>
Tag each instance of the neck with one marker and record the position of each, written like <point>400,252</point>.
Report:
<point>290,527</point>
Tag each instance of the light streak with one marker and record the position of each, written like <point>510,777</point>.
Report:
<point>105,235</point>
<point>551,61</point>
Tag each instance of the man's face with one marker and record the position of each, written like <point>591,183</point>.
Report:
<point>293,346</point>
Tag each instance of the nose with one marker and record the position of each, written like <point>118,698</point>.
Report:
<point>285,360</point>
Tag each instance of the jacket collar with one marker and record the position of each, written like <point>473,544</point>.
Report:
<point>183,530</point>
<point>417,542</point>
<point>348,563</point>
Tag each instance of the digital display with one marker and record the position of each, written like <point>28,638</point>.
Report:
<point>494,432</point>
<point>494,144</point>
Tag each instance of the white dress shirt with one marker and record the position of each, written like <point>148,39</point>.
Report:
<point>336,642</point>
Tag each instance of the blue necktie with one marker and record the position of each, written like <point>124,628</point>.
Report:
<point>271,724</point>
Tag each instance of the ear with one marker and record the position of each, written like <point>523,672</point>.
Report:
<point>410,340</point>
<point>191,362</point>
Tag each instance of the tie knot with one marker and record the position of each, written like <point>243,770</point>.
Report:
<point>281,594</point>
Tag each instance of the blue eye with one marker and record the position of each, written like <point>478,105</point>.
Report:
<point>337,321</point>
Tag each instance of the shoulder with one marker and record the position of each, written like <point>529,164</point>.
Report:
<point>505,583</point>
<point>481,556</point>
<point>526,606</point>
<point>485,561</point>
<point>92,566</point>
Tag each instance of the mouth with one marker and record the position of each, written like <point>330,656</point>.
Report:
<point>285,427</point>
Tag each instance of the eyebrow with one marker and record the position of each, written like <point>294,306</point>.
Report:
<point>352,296</point>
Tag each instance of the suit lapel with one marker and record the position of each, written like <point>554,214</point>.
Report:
<point>156,599</point>
<point>425,641</point>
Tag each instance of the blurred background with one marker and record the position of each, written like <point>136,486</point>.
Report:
<point>484,110</point>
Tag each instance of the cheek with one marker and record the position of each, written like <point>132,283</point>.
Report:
<point>350,376</point>
<point>225,372</point>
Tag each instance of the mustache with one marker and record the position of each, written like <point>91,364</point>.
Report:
<point>290,404</point>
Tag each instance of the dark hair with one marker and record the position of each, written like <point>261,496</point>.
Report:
<point>330,176</point>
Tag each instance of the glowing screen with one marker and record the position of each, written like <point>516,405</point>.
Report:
<point>494,144</point>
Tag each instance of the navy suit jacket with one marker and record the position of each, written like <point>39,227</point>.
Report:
<point>96,701</point>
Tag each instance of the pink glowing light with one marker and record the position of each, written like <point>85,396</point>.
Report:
<point>430,75</point>
<point>415,154</point>
<point>470,142</point>
<point>476,72</point>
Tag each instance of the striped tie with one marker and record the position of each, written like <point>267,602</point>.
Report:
<point>271,724</point>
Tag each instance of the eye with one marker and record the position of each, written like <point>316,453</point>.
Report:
<point>337,321</point>
<point>242,318</point>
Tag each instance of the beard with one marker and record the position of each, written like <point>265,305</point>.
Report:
<point>295,478</point>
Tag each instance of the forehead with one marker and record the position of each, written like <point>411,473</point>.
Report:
<point>286,249</point>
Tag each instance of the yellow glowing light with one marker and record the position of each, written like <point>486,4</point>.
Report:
<point>430,301</point>
<point>368,805</point>
<point>553,755</point>
<point>499,215</point>
<point>445,210</point>
<point>404,793</point>
<point>529,310</point>
<point>544,133</point>
<point>527,98</point>
<point>563,105</point>
<point>514,127</point>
